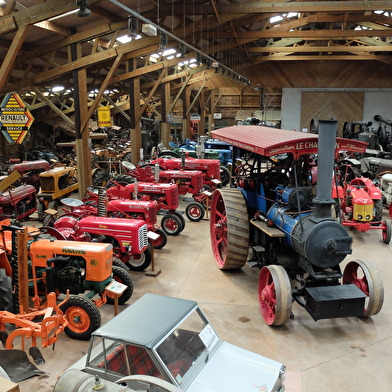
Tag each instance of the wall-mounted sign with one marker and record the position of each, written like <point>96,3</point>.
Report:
<point>170,118</point>
<point>15,118</point>
<point>195,118</point>
<point>217,116</point>
<point>104,119</point>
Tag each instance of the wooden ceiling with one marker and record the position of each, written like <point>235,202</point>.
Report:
<point>254,43</point>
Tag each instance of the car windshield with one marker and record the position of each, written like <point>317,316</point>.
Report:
<point>187,345</point>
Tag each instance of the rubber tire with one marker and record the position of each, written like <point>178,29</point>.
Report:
<point>160,242</point>
<point>118,263</point>
<point>40,211</point>
<point>371,284</point>
<point>122,179</point>
<point>229,228</point>
<point>88,309</point>
<point>378,209</point>
<point>171,224</point>
<point>274,293</point>
<point>195,211</point>
<point>140,262</point>
<point>5,291</point>
<point>169,154</point>
<point>225,176</point>
<point>100,178</point>
<point>181,216</point>
<point>49,220</point>
<point>121,275</point>
<point>386,234</point>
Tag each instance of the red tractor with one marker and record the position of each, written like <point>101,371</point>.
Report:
<point>361,207</point>
<point>166,196</point>
<point>209,167</point>
<point>128,237</point>
<point>97,205</point>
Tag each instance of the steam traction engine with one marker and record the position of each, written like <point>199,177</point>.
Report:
<point>294,238</point>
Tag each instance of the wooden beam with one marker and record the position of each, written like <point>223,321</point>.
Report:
<point>312,34</point>
<point>12,53</point>
<point>312,49</point>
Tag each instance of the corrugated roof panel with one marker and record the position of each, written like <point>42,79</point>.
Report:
<point>272,141</point>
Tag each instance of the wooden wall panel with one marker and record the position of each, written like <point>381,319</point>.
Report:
<point>343,106</point>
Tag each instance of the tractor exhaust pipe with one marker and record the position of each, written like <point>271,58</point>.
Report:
<point>377,117</point>
<point>325,166</point>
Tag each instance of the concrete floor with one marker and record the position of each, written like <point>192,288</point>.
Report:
<point>347,354</point>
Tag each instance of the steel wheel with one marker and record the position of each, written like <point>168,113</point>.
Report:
<point>122,276</point>
<point>195,211</point>
<point>139,262</point>
<point>171,224</point>
<point>386,231</point>
<point>161,241</point>
<point>274,293</point>
<point>366,277</point>
<point>83,317</point>
<point>229,228</point>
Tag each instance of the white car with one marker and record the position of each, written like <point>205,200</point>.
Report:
<point>171,341</point>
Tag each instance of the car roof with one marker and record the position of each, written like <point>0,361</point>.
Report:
<point>147,320</point>
<point>268,141</point>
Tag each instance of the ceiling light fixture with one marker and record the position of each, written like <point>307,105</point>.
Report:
<point>133,26</point>
<point>83,11</point>
<point>203,57</point>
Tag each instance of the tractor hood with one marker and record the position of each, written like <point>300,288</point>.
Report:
<point>221,372</point>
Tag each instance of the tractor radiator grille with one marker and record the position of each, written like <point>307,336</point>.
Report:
<point>142,236</point>
<point>47,184</point>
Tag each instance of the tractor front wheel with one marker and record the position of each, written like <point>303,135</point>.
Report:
<point>225,176</point>
<point>171,224</point>
<point>161,241</point>
<point>386,231</point>
<point>181,216</point>
<point>195,211</point>
<point>229,228</point>
<point>141,261</point>
<point>122,276</point>
<point>83,317</point>
<point>366,277</point>
<point>275,298</point>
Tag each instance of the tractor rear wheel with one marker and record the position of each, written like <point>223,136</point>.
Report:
<point>229,228</point>
<point>100,177</point>
<point>141,261</point>
<point>378,209</point>
<point>274,291</point>
<point>5,290</point>
<point>195,211</point>
<point>366,277</point>
<point>171,224</point>
<point>122,179</point>
<point>225,175</point>
<point>122,276</point>
<point>386,231</point>
<point>161,241</point>
<point>83,317</point>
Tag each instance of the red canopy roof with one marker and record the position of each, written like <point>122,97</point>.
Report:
<point>272,141</point>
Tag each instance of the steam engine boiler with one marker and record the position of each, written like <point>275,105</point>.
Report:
<point>278,216</point>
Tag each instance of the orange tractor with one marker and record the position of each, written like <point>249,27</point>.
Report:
<point>63,267</point>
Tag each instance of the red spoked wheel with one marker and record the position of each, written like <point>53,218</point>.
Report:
<point>275,298</point>
<point>83,317</point>
<point>229,228</point>
<point>171,224</point>
<point>366,277</point>
<point>195,211</point>
<point>243,170</point>
<point>161,241</point>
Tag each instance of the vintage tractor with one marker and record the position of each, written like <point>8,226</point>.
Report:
<point>29,171</point>
<point>209,167</point>
<point>18,202</point>
<point>56,183</point>
<point>128,237</point>
<point>187,181</point>
<point>275,217</point>
<point>75,267</point>
<point>360,206</point>
<point>166,196</point>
